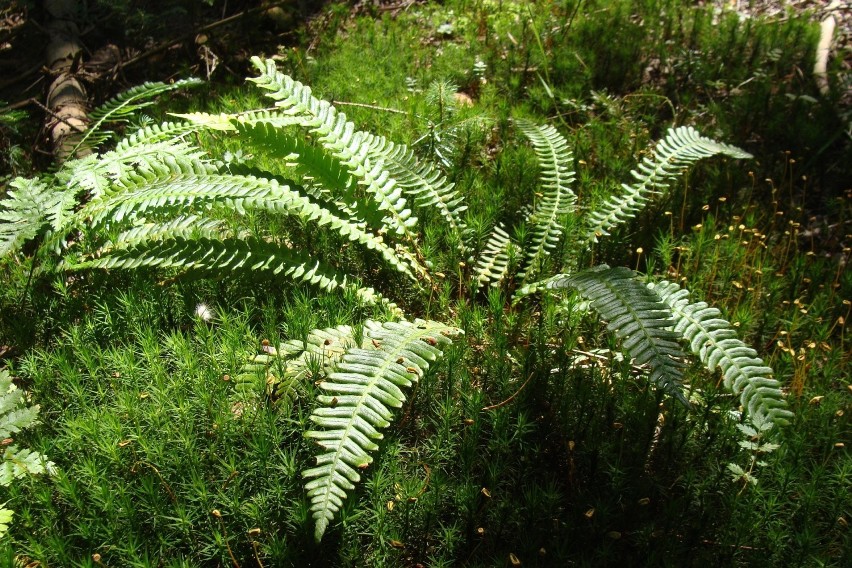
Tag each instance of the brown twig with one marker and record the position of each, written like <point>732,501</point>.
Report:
<point>510,399</point>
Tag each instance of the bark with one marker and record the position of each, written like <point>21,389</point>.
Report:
<point>66,97</point>
<point>826,32</point>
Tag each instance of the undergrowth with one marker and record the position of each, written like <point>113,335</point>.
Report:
<point>534,440</point>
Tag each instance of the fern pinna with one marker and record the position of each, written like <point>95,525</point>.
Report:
<point>364,385</point>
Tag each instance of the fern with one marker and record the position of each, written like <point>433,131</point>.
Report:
<point>239,193</point>
<point>121,107</point>
<point>339,137</point>
<point>29,206</point>
<point>681,147</point>
<point>16,462</point>
<point>428,186</point>
<point>715,343</point>
<point>636,315</point>
<point>557,201</point>
<point>493,264</point>
<point>364,384</point>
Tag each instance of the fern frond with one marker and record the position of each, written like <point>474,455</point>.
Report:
<point>227,122</point>
<point>206,254</point>
<point>128,164</point>
<point>30,204</point>
<point>187,227</point>
<point>324,172</point>
<point>681,147</point>
<point>364,385</point>
<point>340,138</point>
<point>493,264</point>
<point>156,133</point>
<point>558,199</point>
<point>636,315</point>
<point>14,417</point>
<point>715,342</point>
<point>425,183</point>
<point>177,192</point>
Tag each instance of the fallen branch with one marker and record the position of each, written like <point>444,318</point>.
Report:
<point>826,32</point>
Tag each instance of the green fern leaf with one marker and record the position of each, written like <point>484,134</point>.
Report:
<point>557,201</point>
<point>5,519</point>
<point>681,147</point>
<point>124,105</point>
<point>340,138</point>
<point>364,385</point>
<point>715,343</point>
<point>425,183</point>
<point>493,263</point>
<point>30,204</point>
<point>636,315</point>
<point>14,416</point>
<point>169,193</point>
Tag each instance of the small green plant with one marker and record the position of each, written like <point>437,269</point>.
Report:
<point>17,462</point>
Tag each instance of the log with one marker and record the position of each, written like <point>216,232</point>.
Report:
<point>66,102</point>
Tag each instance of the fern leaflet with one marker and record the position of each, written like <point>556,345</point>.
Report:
<point>715,343</point>
<point>364,384</point>
<point>681,147</point>
<point>493,264</point>
<point>636,315</point>
<point>557,201</point>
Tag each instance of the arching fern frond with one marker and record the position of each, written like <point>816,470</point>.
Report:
<point>635,314</point>
<point>425,183</point>
<point>219,255</point>
<point>124,105</point>
<point>557,200</point>
<point>340,138</point>
<point>682,146</point>
<point>493,263</point>
<point>176,192</point>
<point>715,343</point>
<point>364,385</point>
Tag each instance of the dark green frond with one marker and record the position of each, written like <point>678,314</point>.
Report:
<point>557,199</point>
<point>341,139</point>
<point>680,148</point>
<point>715,342</point>
<point>364,385</point>
<point>636,315</point>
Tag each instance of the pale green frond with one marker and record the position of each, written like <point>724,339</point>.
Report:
<point>5,519</point>
<point>340,138</point>
<point>493,263</point>
<point>180,193</point>
<point>636,315</point>
<point>29,205</point>
<point>187,227</point>
<point>363,386</point>
<point>715,342</point>
<point>18,462</point>
<point>419,179</point>
<point>227,122</point>
<point>156,133</point>
<point>682,147</point>
<point>557,198</point>
<point>220,255</point>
